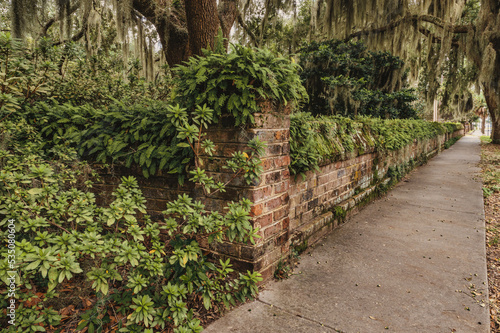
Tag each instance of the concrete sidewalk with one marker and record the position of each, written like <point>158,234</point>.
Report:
<point>412,261</point>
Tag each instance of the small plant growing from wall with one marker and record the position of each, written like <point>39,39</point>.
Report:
<point>339,213</point>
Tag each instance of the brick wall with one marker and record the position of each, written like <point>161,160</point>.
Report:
<point>269,194</point>
<point>158,189</point>
<point>288,211</point>
<point>323,199</point>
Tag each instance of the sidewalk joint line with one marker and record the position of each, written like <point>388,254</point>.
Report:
<point>442,209</point>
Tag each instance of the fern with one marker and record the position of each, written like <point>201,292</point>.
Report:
<point>231,83</point>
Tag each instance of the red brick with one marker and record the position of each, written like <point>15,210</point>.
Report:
<point>259,194</point>
<point>323,179</point>
<point>272,230</point>
<point>281,213</point>
<point>282,135</point>
<point>273,177</point>
<point>307,216</point>
<point>285,223</point>
<point>228,249</point>
<point>265,220</point>
<point>281,187</point>
<point>252,252</point>
<point>284,199</point>
<point>275,149</point>
<point>299,209</point>
<point>282,161</point>
<point>285,148</point>
<point>266,274</point>
<point>256,210</point>
<point>267,164</point>
<point>273,204</point>
<point>282,239</point>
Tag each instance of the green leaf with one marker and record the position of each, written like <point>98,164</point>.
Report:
<point>33,265</point>
<point>35,191</point>
<point>104,288</point>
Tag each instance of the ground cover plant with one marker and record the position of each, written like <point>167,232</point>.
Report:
<point>135,274</point>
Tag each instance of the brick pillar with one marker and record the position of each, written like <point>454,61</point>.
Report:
<point>269,194</point>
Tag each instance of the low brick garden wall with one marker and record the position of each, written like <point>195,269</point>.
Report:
<point>289,211</point>
<point>324,199</point>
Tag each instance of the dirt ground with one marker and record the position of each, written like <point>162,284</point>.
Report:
<point>490,163</point>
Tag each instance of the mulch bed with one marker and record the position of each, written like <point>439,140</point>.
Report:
<point>490,164</point>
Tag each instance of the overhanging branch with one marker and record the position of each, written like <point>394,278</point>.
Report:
<point>435,39</point>
<point>412,19</point>
<point>54,19</point>
<point>242,23</point>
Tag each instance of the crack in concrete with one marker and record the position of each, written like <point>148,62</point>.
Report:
<point>300,316</point>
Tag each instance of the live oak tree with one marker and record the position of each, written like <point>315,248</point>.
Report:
<point>440,40</point>
<point>183,27</point>
<point>434,36</point>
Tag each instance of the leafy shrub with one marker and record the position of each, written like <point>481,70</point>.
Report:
<point>64,74</point>
<point>315,140</point>
<point>139,274</point>
<point>233,83</point>
<point>139,134</point>
<point>344,78</point>
<point>451,142</point>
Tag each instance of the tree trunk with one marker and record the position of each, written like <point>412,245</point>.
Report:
<point>483,123</point>
<point>228,12</point>
<point>171,28</point>
<point>189,26</point>
<point>18,25</point>
<point>491,94</point>
<point>202,24</point>
<point>488,37</point>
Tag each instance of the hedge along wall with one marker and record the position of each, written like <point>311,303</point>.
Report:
<point>290,211</point>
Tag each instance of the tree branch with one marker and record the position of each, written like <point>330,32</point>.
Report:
<point>75,37</point>
<point>80,33</point>
<point>435,39</point>
<point>54,19</point>
<point>412,19</point>
<point>242,23</point>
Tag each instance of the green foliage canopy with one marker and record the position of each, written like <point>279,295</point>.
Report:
<point>344,78</point>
